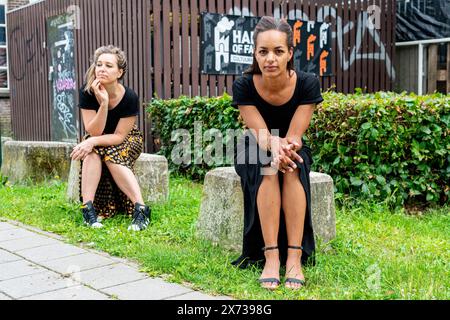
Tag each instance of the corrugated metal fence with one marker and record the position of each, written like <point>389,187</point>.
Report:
<point>161,39</point>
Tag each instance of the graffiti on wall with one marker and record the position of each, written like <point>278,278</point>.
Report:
<point>62,77</point>
<point>364,28</point>
<point>25,48</point>
<point>227,44</point>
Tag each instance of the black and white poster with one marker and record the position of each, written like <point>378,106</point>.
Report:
<point>227,44</point>
<point>62,76</point>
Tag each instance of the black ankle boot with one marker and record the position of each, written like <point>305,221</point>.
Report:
<point>141,217</point>
<point>90,216</point>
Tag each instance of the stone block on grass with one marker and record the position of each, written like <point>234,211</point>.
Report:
<point>221,218</point>
<point>151,171</point>
<point>36,161</point>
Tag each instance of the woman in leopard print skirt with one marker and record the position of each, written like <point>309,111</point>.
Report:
<point>112,144</point>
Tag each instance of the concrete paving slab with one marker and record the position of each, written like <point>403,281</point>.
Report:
<point>6,226</point>
<point>104,274</point>
<point>77,263</point>
<point>35,284</point>
<point>12,234</point>
<point>38,231</point>
<point>17,269</point>
<point>46,253</point>
<point>4,297</point>
<point>109,276</point>
<point>72,293</point>
<point>196,295</point>
<point>6,257</point>
<point>27,243</point>
<point>147,289</point>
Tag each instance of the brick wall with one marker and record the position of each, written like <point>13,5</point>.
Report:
<point>5,118</point>
<point>13,4</point>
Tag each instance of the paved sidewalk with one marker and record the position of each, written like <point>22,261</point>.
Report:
<point>39,265</point>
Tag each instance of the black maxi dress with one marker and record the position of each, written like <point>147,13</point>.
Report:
<point>248,165</point>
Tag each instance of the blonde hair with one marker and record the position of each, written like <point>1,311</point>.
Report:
<point>121,63</point>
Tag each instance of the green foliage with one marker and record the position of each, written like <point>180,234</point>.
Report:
<point>385,147</point>
<point>377,253</point>
<point>194,114</point>
<point>3,180</point>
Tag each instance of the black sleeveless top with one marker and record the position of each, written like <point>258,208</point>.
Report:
<point>307,91</point>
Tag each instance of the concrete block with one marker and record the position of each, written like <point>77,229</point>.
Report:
<point>3,141</point>
<point>36,161</point>
<point>151,171</point>
<point>221,218</point>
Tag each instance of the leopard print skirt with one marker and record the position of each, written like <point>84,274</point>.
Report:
<point>109,199</point>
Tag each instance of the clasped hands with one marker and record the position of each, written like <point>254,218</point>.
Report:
<point>81,150</point>
<point>284,153</point>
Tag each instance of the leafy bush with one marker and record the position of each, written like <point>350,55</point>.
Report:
<point>196,115</point>
<point>3,180</point>
<point>383,146</point>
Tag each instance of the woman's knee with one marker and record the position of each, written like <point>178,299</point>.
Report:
<point>291,177</point>
<point>270,178</point>
<point>91,158</point>
<point>118,168</point>
<point>111,165</point>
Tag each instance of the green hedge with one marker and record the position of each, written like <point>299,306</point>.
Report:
<point>383,146</point>
<point>183,113</point>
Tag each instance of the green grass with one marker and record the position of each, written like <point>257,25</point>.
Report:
<point>377,254</point>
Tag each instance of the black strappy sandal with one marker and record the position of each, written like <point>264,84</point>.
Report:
<point>270,280</point>
<point>295,280</point>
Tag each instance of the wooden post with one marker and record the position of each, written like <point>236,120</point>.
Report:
<point>448,67</point>
<point>432,67</point>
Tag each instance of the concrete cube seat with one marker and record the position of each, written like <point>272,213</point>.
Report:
<point>151,171</point>
<point>221,218</point>
<point>36,161</point>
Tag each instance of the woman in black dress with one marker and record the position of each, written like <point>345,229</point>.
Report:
<point>113,143</point>
<point>276,104</point>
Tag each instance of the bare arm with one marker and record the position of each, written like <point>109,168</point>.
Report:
<point>293,141</point>
<point>255,122</point>
<point>278,146</point>
<point>122,130</point>
<point>94,122</point>
<point>300,122</point>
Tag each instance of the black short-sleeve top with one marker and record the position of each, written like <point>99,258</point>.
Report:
<point>127,107</point>
<point>307,91</point>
